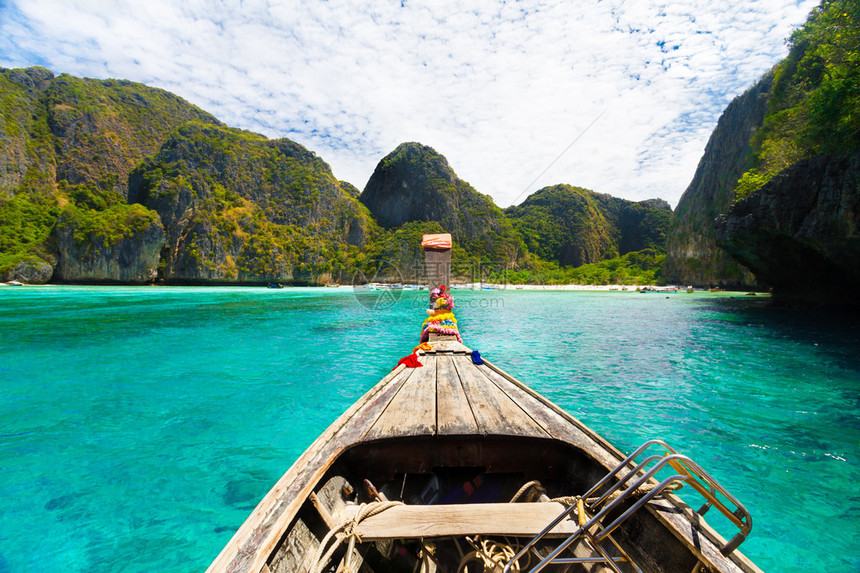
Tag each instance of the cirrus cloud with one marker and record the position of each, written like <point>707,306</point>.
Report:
<point>619,97</point>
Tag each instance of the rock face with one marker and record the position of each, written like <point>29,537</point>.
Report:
<point>104,128</point>
<point>576,226</point>
<point>800,233</point>
<point>74,141</point>
<point>415,183</point>
<point>692,253</point>
<point>21,90</point>
<point>239,207</point>
<point>132,258</point>
<point>83,131</point>
<point>30,272</point>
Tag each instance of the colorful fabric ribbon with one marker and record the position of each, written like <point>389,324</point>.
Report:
<point>424,347</point>
<point>410,361</point>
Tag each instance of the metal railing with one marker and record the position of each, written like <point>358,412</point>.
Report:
<point>592,510</point>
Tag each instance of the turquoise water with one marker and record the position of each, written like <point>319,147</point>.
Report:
<point>140,426</point>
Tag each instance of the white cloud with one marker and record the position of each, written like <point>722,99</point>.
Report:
<point>499,88</point>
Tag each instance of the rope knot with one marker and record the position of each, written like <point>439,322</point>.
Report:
<point>347,530</point>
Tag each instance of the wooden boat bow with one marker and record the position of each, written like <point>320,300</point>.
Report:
<point>453,439</point>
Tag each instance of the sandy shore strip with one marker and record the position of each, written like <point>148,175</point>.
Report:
<point>631,288</point>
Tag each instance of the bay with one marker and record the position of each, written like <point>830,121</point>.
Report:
<point>140,425</point>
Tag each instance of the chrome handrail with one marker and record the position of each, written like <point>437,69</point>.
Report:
<point>687,470</point>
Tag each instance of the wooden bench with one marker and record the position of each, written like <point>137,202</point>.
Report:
<point>423,521</point>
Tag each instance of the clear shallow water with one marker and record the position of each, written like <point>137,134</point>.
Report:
<point>140,426</point>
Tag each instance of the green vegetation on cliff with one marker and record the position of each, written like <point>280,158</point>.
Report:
<point>26,227</point>
<point>106,228</point>
<point>235,205</point>
<point>635,268</point>
<point>414,183</point>
<point>73,142</point>
<point>814,107</point>
<point>238,206</point>
<point>575,226</point>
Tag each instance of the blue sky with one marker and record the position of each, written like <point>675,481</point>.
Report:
<point>615,96</point>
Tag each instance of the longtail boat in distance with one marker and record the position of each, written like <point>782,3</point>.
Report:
<point>450,465</point>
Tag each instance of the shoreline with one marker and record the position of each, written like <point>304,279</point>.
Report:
<point>454,286</point>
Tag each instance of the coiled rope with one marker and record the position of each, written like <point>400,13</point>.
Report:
<point>347,530</point>
<point>534,483</point>
<point>494,555</point>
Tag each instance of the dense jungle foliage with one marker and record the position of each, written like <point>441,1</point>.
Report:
<point>814,105</point>
<point>575,226</point>
<point>68,144</point>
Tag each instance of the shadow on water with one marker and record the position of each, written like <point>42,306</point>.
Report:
<point>833,333</point>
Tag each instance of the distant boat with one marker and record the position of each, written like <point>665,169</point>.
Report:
<point>385,286</point>
<point>275,285</point>
<point>660,289</point>
<point>15,283</point>
<point>449,464</point>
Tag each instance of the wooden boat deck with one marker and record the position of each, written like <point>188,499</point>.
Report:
<point>448,396</point>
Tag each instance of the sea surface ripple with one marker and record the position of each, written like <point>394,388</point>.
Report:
<point>139,426</point>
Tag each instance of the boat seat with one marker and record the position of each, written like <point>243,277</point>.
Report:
<point>424,521</point>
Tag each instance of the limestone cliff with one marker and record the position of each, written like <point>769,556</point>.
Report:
<point>800,233</point>
<point>693,256</point>
<point>73,141</point>
<point>237,206</point>
<point>125,251</point>
<point>414,183</point>
<point>576,226</point>
<point>21,151</point>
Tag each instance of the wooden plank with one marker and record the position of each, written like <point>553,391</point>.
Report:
<point>495,412</point>
<point>558,423</point>
<point>422,521</point>
<point>438,266</point>
<point>451,346</point>
<point>554,424</point>
<point>412,412</point>
<point>321,509</point>
<point>299,545</point>
<point>453,415</point>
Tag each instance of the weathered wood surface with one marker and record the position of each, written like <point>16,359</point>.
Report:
<point>407,402</point>
<point>438,266</point>
<point>495,412</point>
<point>450,346</point>
<point>555,421</point>
<point>454,415</point>
<point>421,521</point>
<point>412,412</point>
